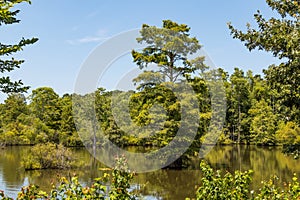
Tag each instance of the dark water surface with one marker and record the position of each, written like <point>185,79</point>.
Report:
<point>161,184</point>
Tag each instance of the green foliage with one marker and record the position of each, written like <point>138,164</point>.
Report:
<point>8,63</point>
<point>48,118</point>
<point>120,181</point>
<point>68,134</point>
<point>48,156</point>
<point>214,185</point>
<point>31,192</point>
<point>288,133</point>
<point>280,89</point>
<point>106,118</point>
<point>256,112</point>
<point>238,105</point>
<point>25,130</point>
<point>168,47</point>
<point>269,190</point>
<point>144,112</point>
<point>45,106</point>
<point>281,37</point>
<point>72,189</point>
<point>148,79</point>
<point>263,123</point>
<point>15,105</point>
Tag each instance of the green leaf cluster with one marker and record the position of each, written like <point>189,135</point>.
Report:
<point>7,62</point>
<point>110,186</point>
<point>216,184</point>
<point>281,37</point>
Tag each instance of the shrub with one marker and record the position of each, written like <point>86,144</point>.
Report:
<point>72,189</point>
<point>229,186</point>
<point>271,191</point>
<point>120,182</point>
<point>48,156</point>
<point>237,186</point>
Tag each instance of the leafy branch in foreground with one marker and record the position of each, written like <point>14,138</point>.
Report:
<point>214,185</point>
<point>8,63</point>
<point>229,186</point>
<point>119,181</point>
<point>281,37</point>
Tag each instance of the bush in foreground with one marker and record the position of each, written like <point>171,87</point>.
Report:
<point>116,186</point>
<point>119,182</point>
<point>236,186</point>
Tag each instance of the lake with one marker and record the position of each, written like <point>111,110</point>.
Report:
<point>162,184</point>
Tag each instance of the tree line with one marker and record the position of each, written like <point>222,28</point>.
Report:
<point>253,115</point>
<point>261,109</point>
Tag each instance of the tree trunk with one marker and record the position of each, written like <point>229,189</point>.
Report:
<point>94,138</point>
<point>239,123</point>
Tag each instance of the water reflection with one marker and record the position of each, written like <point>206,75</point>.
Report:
<point>161,184</point>
<point>10,176</point>
<point>264,161</point>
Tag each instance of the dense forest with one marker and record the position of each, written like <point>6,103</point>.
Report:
<point>261,109</point>
<point>182,102</point>
<point>255,114</point>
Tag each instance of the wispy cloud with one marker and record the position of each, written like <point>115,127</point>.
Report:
<point>92,14</point>
<point>87,39</point>
<point>100,36</point>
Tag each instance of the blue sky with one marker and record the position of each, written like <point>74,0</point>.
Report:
<point>68,30</point>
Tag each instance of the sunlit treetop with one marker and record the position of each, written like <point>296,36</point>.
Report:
<point>168,47</point>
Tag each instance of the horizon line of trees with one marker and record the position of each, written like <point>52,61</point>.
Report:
<point>253,116</point>
<point>260,110</point>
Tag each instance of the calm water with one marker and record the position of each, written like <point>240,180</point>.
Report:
<point>162,184</point>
